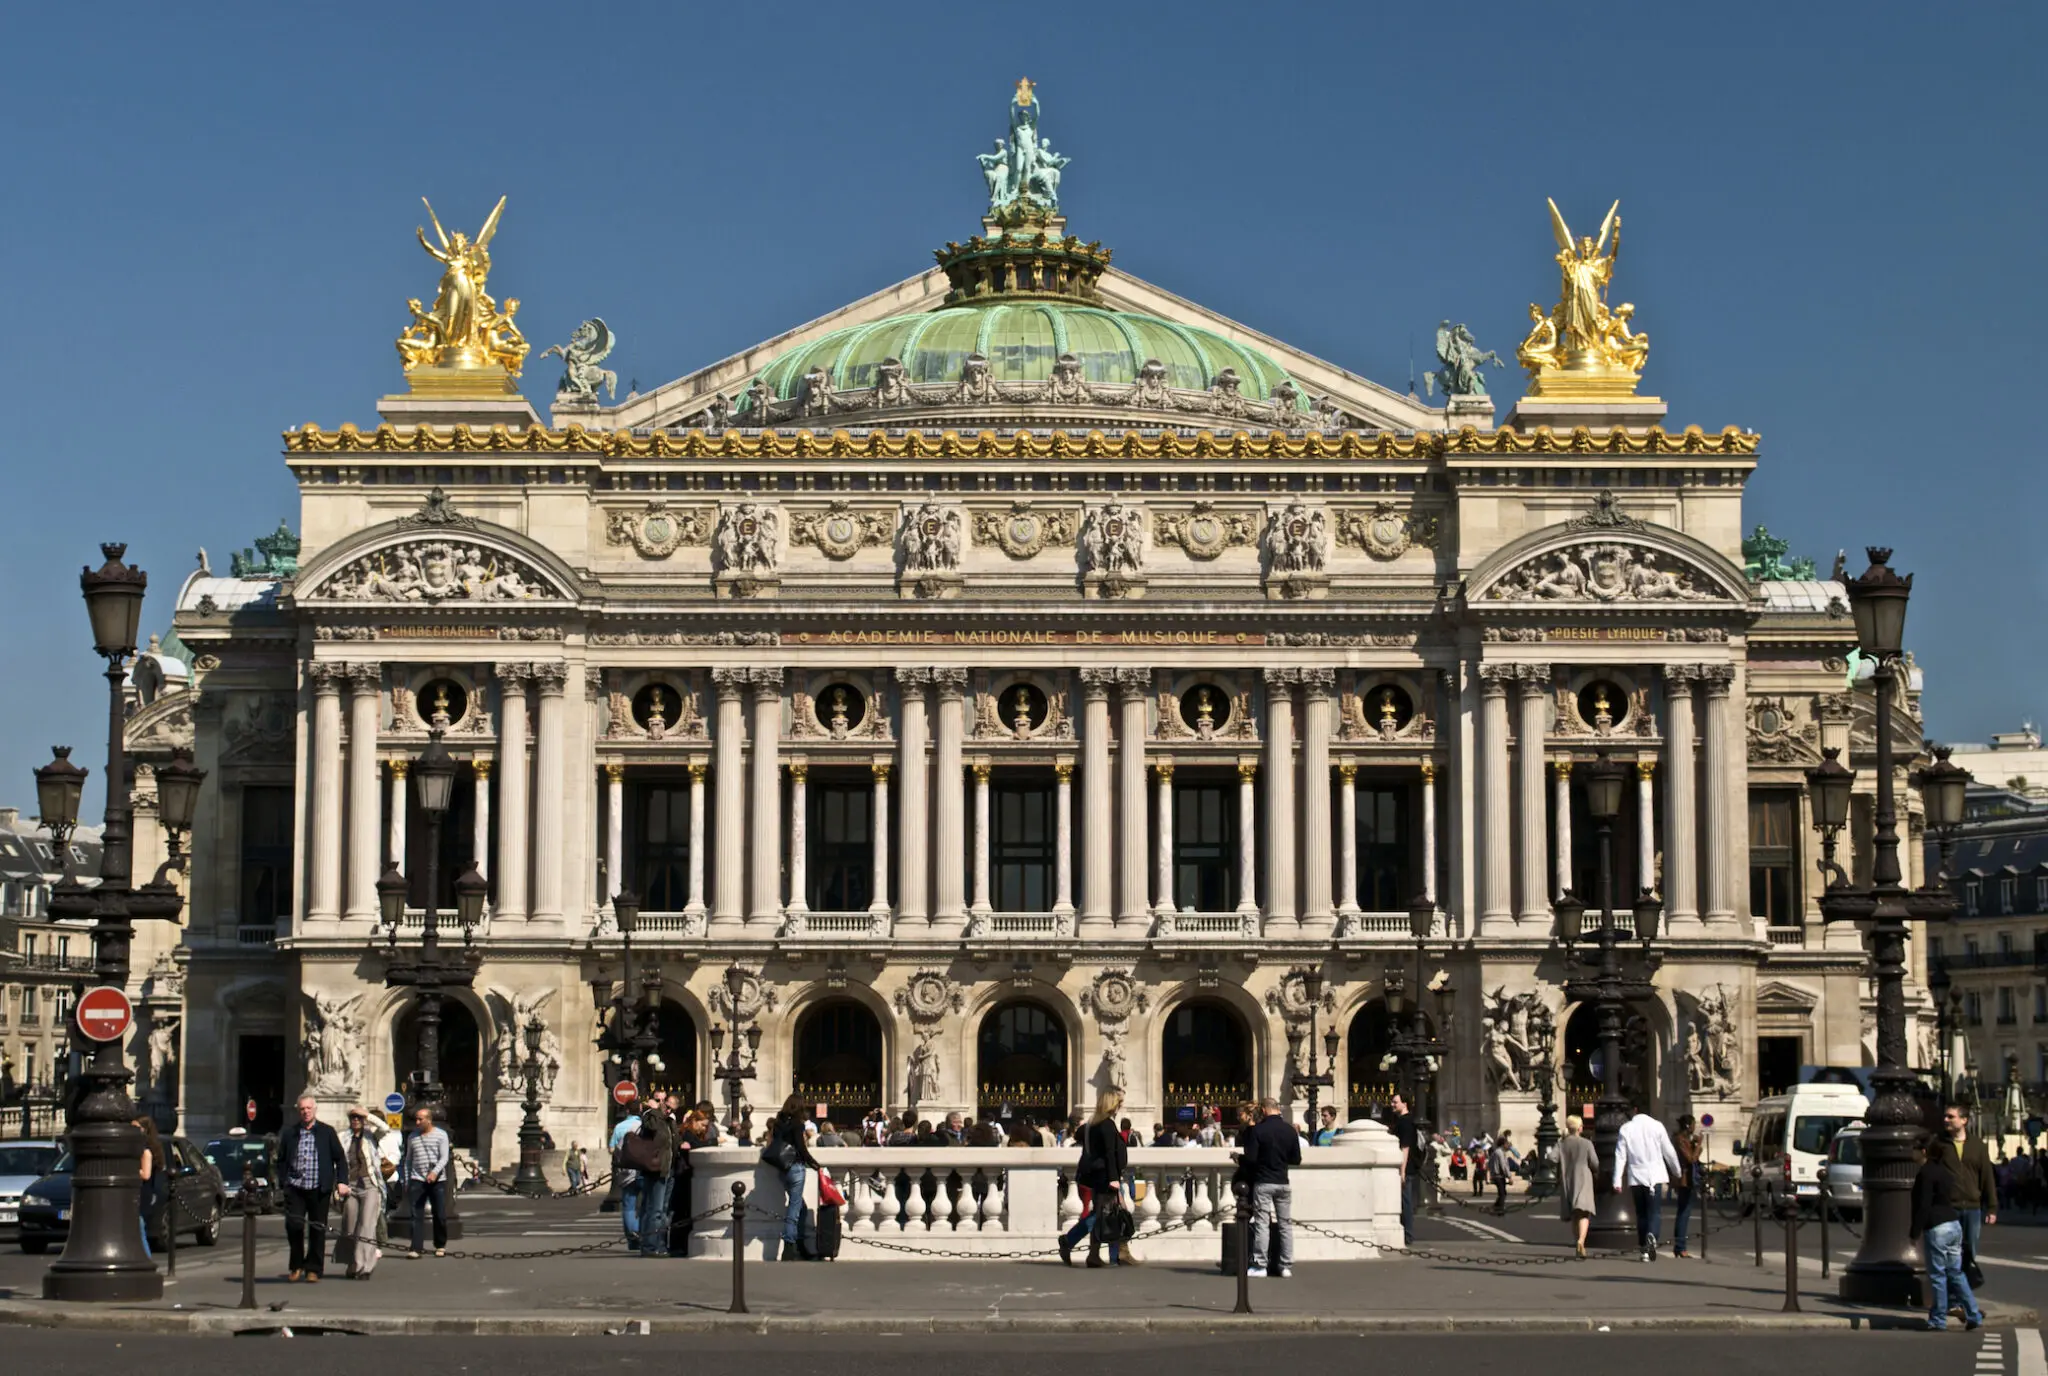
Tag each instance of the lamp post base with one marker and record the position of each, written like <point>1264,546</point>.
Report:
<point>1897,1284</point>
<point>104,1285</point>
<point>1614,1220</point>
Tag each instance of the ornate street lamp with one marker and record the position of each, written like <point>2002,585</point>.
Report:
<point>621,1038</point>
<point>530,1180</point>
<point>732,1071</point>
<point>1543,1064</point>
<point>1887,1268</point>
<point>1298,1037</point>
<point>103,1256</point>
<point>427,969</point>
<point>1416,1051</point>
<point>1609,991</point>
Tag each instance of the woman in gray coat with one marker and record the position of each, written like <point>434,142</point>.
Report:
<point>1575,1162</point>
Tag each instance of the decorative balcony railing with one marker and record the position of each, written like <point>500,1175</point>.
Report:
<point>1790,938</point>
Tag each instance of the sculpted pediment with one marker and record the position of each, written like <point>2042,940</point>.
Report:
<point>436,556</point>
<point>1605,558</point>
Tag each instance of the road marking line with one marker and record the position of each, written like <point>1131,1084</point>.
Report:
<point>2012,1261</point>
<point>2032,1360</point>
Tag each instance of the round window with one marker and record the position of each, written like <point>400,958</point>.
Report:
<point>1205,708</point>
<point>654,707</point>
<point>1603,705</point>
<point>1388,707</point>
<point>1021,707</point>
<point>841,708</point>
<point>442,703</point>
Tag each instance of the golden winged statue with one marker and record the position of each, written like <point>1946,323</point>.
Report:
<point>1583,347</point>
<point>464,328</point>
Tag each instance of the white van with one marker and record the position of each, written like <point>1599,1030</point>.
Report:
<point>1789,1136</point>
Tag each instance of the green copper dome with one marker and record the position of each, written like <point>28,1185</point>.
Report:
<point>1021,340</point>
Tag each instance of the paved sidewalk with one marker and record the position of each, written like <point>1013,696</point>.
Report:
<point>1476,1286</point>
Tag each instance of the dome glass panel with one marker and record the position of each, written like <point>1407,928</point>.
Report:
<point>1103,349</point>
<point>942,349</point>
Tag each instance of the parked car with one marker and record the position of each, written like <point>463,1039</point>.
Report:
<point>202,1201</point>
<point>1845,1170</point>
<point>231,1153</point>
<point>1789,1135</point>
<point>21,1165</point>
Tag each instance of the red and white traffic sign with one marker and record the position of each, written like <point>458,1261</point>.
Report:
<point>624,1093</point>
<point>104,1014</point>
<point>250,1110</point>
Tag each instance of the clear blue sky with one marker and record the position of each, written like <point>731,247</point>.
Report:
<point>1834,220</point>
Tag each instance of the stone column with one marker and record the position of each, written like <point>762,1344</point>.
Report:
<point>1429,830</point>
<point>1133,913</point>
<point>512,811</point>
<point>913,849</point>
<point>1281,918</point>
<point>879,905</point>
<point>1247,839</point>
<point>1063,851</point>
<point>1646,825</point>
<point>394,840</point>
<point>1561,772</point>
<point>1347,838</point>
<point>614,830</point>
<point>728,769</point>
<point>1718,758</point>
<point>480,835</point>
<point>981,906</point>
<point>799,838</point>
<point>1162,880</point>
<point>365,796</point>
<point>1495,841</point>
<point>949,832</point>
<point>765,872</point>
<point>1681,834</point>
<point>1534,829</point>
<point>550,791</point>
<point>695,907</point>
<point>1317,918</point>
<point>323,868</point>
<point>1100,843</point>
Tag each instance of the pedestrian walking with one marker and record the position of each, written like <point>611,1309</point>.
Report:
<point>1576,1162</point>
<point>1501,1161</point>
<point>1685,1189</point>
<point>788,1152</point>
<point>1264,1154</point>
<point>1482,1146</point>
<point>1099,1179</point>
<point>309,1153</point>
<point>1646,1161</point>
<point>428,1155</point>
<point>575,1165</point>
<point>627,1179</point>
<point>1938,1221</point>
<point>155,1180</point>
<point>1403,1128</point>
<point>1976,1192</point>
<point>362,1205</point>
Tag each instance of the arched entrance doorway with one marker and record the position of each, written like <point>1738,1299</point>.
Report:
<point>1021,1063</point>
<point>1582,1067</point>
<point>1205,1061</point>
<point>459,1071</point>
<point>1372,1080</point>
<point>838,1063</point>
<point>676,1033</point>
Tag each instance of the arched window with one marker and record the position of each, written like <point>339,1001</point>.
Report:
<point>1205,1060</point>
<point>1021,1065</point>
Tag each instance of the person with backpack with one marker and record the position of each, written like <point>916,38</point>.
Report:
<point>1502,1160</point>
<point>649,1148</point>
<point>787,1149</point>
<point>1099,1179</point>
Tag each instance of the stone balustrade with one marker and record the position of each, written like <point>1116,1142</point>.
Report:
<point>984,1201</point>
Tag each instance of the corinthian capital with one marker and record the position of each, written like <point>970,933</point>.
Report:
<point>366,678</point>
<point>950,681</point>
<point>729,682</point>
<point>552,675</point>
<point>1318,680</point>
<point>1681,675</point>
<point>1718,678</point>
<point>1280,677</point>
<point>1534,678</point>
<point>1096,683</point>
<point>1494,678</point>
<point>765,679</point>
<point>327,675</point>
<point>1132,683</point>
<point>912,677</point>
<point>515,675</point>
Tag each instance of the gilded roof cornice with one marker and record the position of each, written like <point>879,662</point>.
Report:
<point>988,444</point>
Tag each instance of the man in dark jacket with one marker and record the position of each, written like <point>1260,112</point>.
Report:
<point>1976,1192</point>
<point>310,1159</point>
<point>1265,1152</point>
<point>656,1184</point>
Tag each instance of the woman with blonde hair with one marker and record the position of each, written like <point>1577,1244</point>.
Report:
<point>1099,1178</point>
<point>1576,1160</point>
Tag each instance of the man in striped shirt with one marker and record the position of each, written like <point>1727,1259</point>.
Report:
<point>427,1157</point>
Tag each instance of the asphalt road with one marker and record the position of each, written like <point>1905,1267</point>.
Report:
<point>1875,1354</point>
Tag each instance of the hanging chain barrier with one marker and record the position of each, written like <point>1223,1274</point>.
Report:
<point>478,1177</point>
<point>1477,1204</point>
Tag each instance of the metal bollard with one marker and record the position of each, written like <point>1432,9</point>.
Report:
<point>739,1249</point>
<point>1792,1259</point>
<point>1756,1208</point>
<point>1706,1212</point>
<point>1826,1201</point>
<point>1243,1225</point>
<point>248,1238</point>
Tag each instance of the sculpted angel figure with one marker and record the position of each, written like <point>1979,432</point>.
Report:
<point>459,324</point>
<point>1587,264</point>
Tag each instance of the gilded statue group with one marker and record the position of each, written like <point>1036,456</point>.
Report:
<point>464,328</point>
<point>1582,334</point>
<point>1025,169</point>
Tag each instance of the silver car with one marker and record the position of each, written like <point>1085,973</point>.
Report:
<point>1845,1171</point>
<point>21,1165</point>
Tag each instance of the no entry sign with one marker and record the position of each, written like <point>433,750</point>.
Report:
<point>104,1014</point>
<point>624,1093</point>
